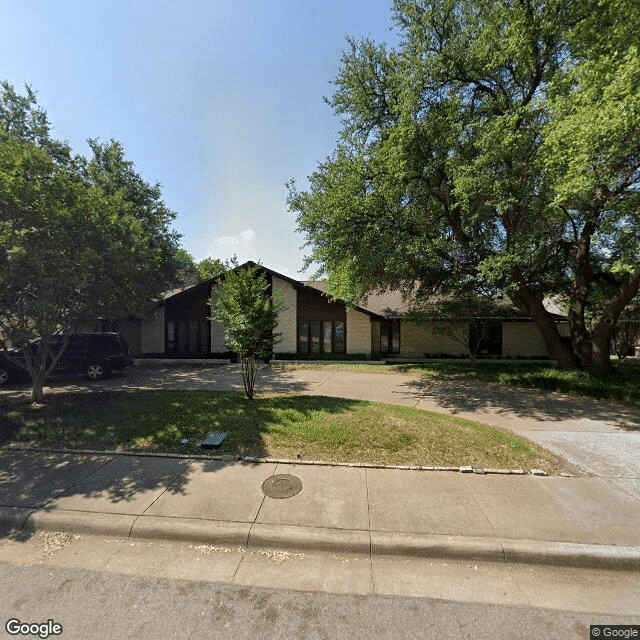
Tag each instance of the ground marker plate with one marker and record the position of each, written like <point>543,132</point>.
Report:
<point>282,485</point>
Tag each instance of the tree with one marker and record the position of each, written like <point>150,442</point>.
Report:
<point>626,334</point>
<point>79,239</point>
<point>187,268</point>
<point>245,307</point>
<point>497,147</point>
<point>210,268</point>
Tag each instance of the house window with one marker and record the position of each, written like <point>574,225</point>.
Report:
<point>390,336</point>
<point>487,336</point>
<point>339,336</point>
<point>318,336</point>
<point>315,336</point>
<point>327,337</point>
<point>303,337</point>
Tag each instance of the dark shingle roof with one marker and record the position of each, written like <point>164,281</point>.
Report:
<point>392,304</point>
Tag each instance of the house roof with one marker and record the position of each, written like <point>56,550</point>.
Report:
<point>298,284</point>
<point>391,304</point>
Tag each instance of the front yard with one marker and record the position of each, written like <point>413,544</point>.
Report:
<point>275,425</point>
<point>623,384</point>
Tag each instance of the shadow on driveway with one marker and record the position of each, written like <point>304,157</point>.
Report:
<point>467,397</point>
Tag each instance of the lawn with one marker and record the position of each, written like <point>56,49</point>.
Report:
<point>623,384</point>
<point>282,426</point>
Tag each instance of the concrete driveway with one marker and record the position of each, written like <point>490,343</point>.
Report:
<point>601,437</point>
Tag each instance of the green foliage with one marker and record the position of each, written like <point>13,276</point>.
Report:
<point>494,150</point>
<point>242,305</point>
<point>186,268</point>
<point>79,238</point>
<point>211,268</point>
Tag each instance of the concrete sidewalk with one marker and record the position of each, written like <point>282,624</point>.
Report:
<point>573,522</point>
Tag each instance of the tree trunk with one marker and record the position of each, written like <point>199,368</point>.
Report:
<point>582,342</point>
<point>601,360</point>
<point>248,376</point>
<point>580,336</point>
<point>37,389</point>
<point>604,325</point>
<point>532,305</point>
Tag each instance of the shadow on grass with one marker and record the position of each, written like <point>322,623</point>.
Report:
<point>149,421</point>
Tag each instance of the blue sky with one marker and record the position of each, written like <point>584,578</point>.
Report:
<point>220,102</point>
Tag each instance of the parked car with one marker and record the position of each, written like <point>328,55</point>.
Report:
<point>95,355</point>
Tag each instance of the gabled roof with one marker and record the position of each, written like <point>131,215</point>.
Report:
<point>297,284</point>
<point>391,304</point>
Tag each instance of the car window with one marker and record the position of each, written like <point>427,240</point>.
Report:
<point>76,343</point>
<point>108,343</point>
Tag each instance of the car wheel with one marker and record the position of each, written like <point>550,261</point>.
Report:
<point>95,371</point>
<point>4,376</point>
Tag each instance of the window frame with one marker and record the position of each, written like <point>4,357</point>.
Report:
<point>325,346</point>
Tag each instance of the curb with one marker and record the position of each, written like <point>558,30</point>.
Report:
<point>296,461</point>
<point>372,544</point>
<point>89,522</point>
<point>264,536</point>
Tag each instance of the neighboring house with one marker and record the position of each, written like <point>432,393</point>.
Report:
<point>313,324</point>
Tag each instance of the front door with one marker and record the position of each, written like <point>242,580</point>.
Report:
<point>390,337</point>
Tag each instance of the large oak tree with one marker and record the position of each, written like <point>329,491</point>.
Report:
<point>496,147</point>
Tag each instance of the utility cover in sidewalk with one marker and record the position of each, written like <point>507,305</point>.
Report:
<point>282,485</point>
<point>213,440</point>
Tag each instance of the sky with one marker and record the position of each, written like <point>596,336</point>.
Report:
<point>219,102</point>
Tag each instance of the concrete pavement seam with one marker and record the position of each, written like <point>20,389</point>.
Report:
<point>495,533</point>
<point>55,497</point>
<point>321,383</point>
<point>133,524</point>
<point>264,497</point>
<point>424,395</point>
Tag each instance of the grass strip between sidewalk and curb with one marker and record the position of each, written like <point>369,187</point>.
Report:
<point>275,426</point>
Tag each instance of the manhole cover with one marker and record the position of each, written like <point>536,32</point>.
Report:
<point>283,485</point>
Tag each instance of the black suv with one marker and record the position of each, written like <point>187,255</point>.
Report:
<point>94,354</point>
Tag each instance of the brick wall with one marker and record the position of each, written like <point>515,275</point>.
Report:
<point>358,332</point>
<point>287,317</point>
<point>522,339</point>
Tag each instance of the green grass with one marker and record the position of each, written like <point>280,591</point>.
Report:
<point>319,428</point>
<point>622,384</point>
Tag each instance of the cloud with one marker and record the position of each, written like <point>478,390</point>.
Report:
<point>244,236</point>
<point>228,240</point>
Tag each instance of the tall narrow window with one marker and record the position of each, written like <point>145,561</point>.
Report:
<point>395,336</point>
<point>315,337</point>
<point>171,337</point>
<point>390,336</point>
<point>327,335</point>
<point>384,336</point>
<point>339,336</point>
<point>303,337</point>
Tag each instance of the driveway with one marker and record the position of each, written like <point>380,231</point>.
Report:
<point>601,437</point>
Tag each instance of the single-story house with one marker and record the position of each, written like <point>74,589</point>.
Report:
<point>312,325</point>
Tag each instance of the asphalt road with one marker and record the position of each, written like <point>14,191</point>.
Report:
<point>91,605</point>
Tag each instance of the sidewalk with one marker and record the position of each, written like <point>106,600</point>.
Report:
<point>578,522</point>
